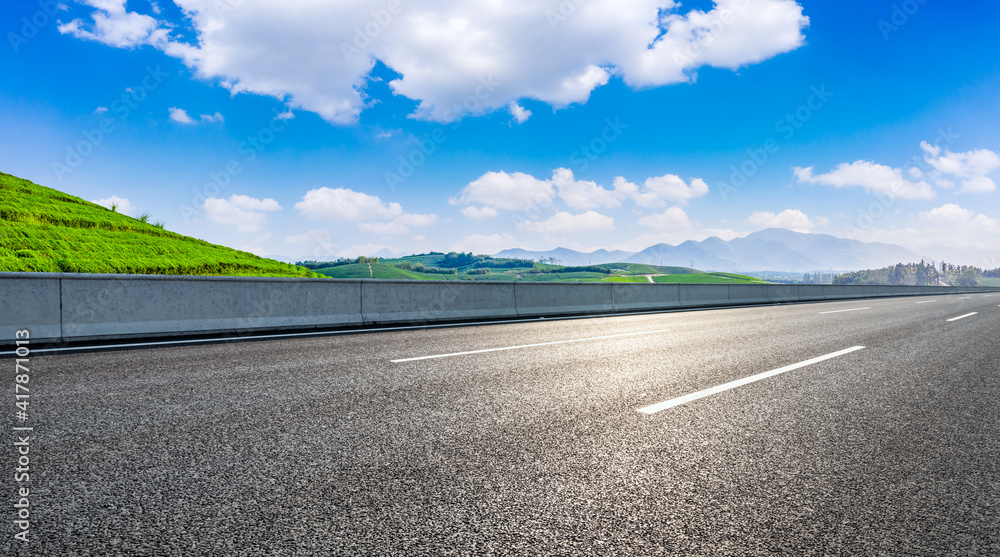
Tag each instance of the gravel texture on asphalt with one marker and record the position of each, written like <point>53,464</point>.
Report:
<point>323,446</point>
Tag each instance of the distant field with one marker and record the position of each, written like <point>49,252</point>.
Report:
<point>707,278</point>
<point>439,266</point>
<point>45,230</point>
<point>989,281</point>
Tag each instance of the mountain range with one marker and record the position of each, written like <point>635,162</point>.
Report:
<point>773,249</point>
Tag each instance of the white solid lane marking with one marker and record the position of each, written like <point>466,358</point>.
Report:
<point>965,298</point>
<point>963,316</point>
<point>927,302</point>
<point>483,351</point>
<point>652,409</point>
<point>843,310</point>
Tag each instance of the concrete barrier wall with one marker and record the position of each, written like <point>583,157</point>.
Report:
<point>424,301</point>
<point>68,307</point>
<point>151,306</point>
<point>640,297</point>
<point>546,298</point>
<point>32,304</point>
<point>748,294</point>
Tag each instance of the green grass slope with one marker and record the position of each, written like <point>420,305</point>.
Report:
<point>45,230</point>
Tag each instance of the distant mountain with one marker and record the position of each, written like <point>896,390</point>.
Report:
<point>774,249</point>
<point>566,256</point>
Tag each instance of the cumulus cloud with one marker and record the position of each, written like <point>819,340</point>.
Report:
<point>567,223</point>
<point>248,203</point>
<point>345,205</point>
<point>112,24</point>
<point>181,116</point>
<point>369,211</point>
<point>122,205</point>
<point>792,219</point>
<point>871,176</point>
<point>520,113</point>
<point>521,192</point>
<point>659,191</point>
<point>454,57</point>
<point>514,192</point>
<point>949,232</point>
<point>474,212</point>
<point>673,218</point>
<point>580,194</point>
<point>244,212</point>
<point>972,166</point>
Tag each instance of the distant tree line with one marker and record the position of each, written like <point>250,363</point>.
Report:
<point>918,274</point>
<point>336,263</point>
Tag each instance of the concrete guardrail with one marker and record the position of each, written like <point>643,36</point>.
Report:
<point>61,307</point>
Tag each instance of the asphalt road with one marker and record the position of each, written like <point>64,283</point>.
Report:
<point>332,446</point>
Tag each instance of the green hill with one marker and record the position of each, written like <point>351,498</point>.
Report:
<point>466,266</point>
<point>45,230</point>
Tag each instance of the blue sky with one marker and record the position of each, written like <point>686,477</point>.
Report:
<point>581,124</point>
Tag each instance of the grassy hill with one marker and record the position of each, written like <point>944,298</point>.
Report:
<point>45,230</point>
<point>454,266</point>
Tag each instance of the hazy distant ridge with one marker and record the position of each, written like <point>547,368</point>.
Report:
<point>774,249</point>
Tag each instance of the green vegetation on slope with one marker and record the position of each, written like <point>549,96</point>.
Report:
<point>45,230</point>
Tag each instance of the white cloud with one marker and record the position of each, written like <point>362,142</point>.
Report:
<point>949,232</point>
<point>369,211</point>
<point>383,228</point>
<point>978,184</point>
<point>213,118</point>
<point>180,115</point>
<point>122,205</point>
<point>952,216</point>
<point>973,166</point>
<point>111,24</point>
<point>873,177</point>
<point>579,194</point>
<point>661,190</point>
<point>673,218</point>
<point>248,203</point>
<point>455,57</point>
<point>100,110</point>
<point>970,164</point>
<point>485,244</point>
<point>474,212</point>
<point>345,205</point>
<point>792,219</point>
<point>522,192</point>
<point>567,223</point>
<point>514,192</point>
<point>234,211</point>
<point>520,113</point>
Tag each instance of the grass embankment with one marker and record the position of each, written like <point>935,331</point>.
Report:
<point>45,230</point>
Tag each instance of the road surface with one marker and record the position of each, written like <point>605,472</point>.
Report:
<point>859,427</point>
